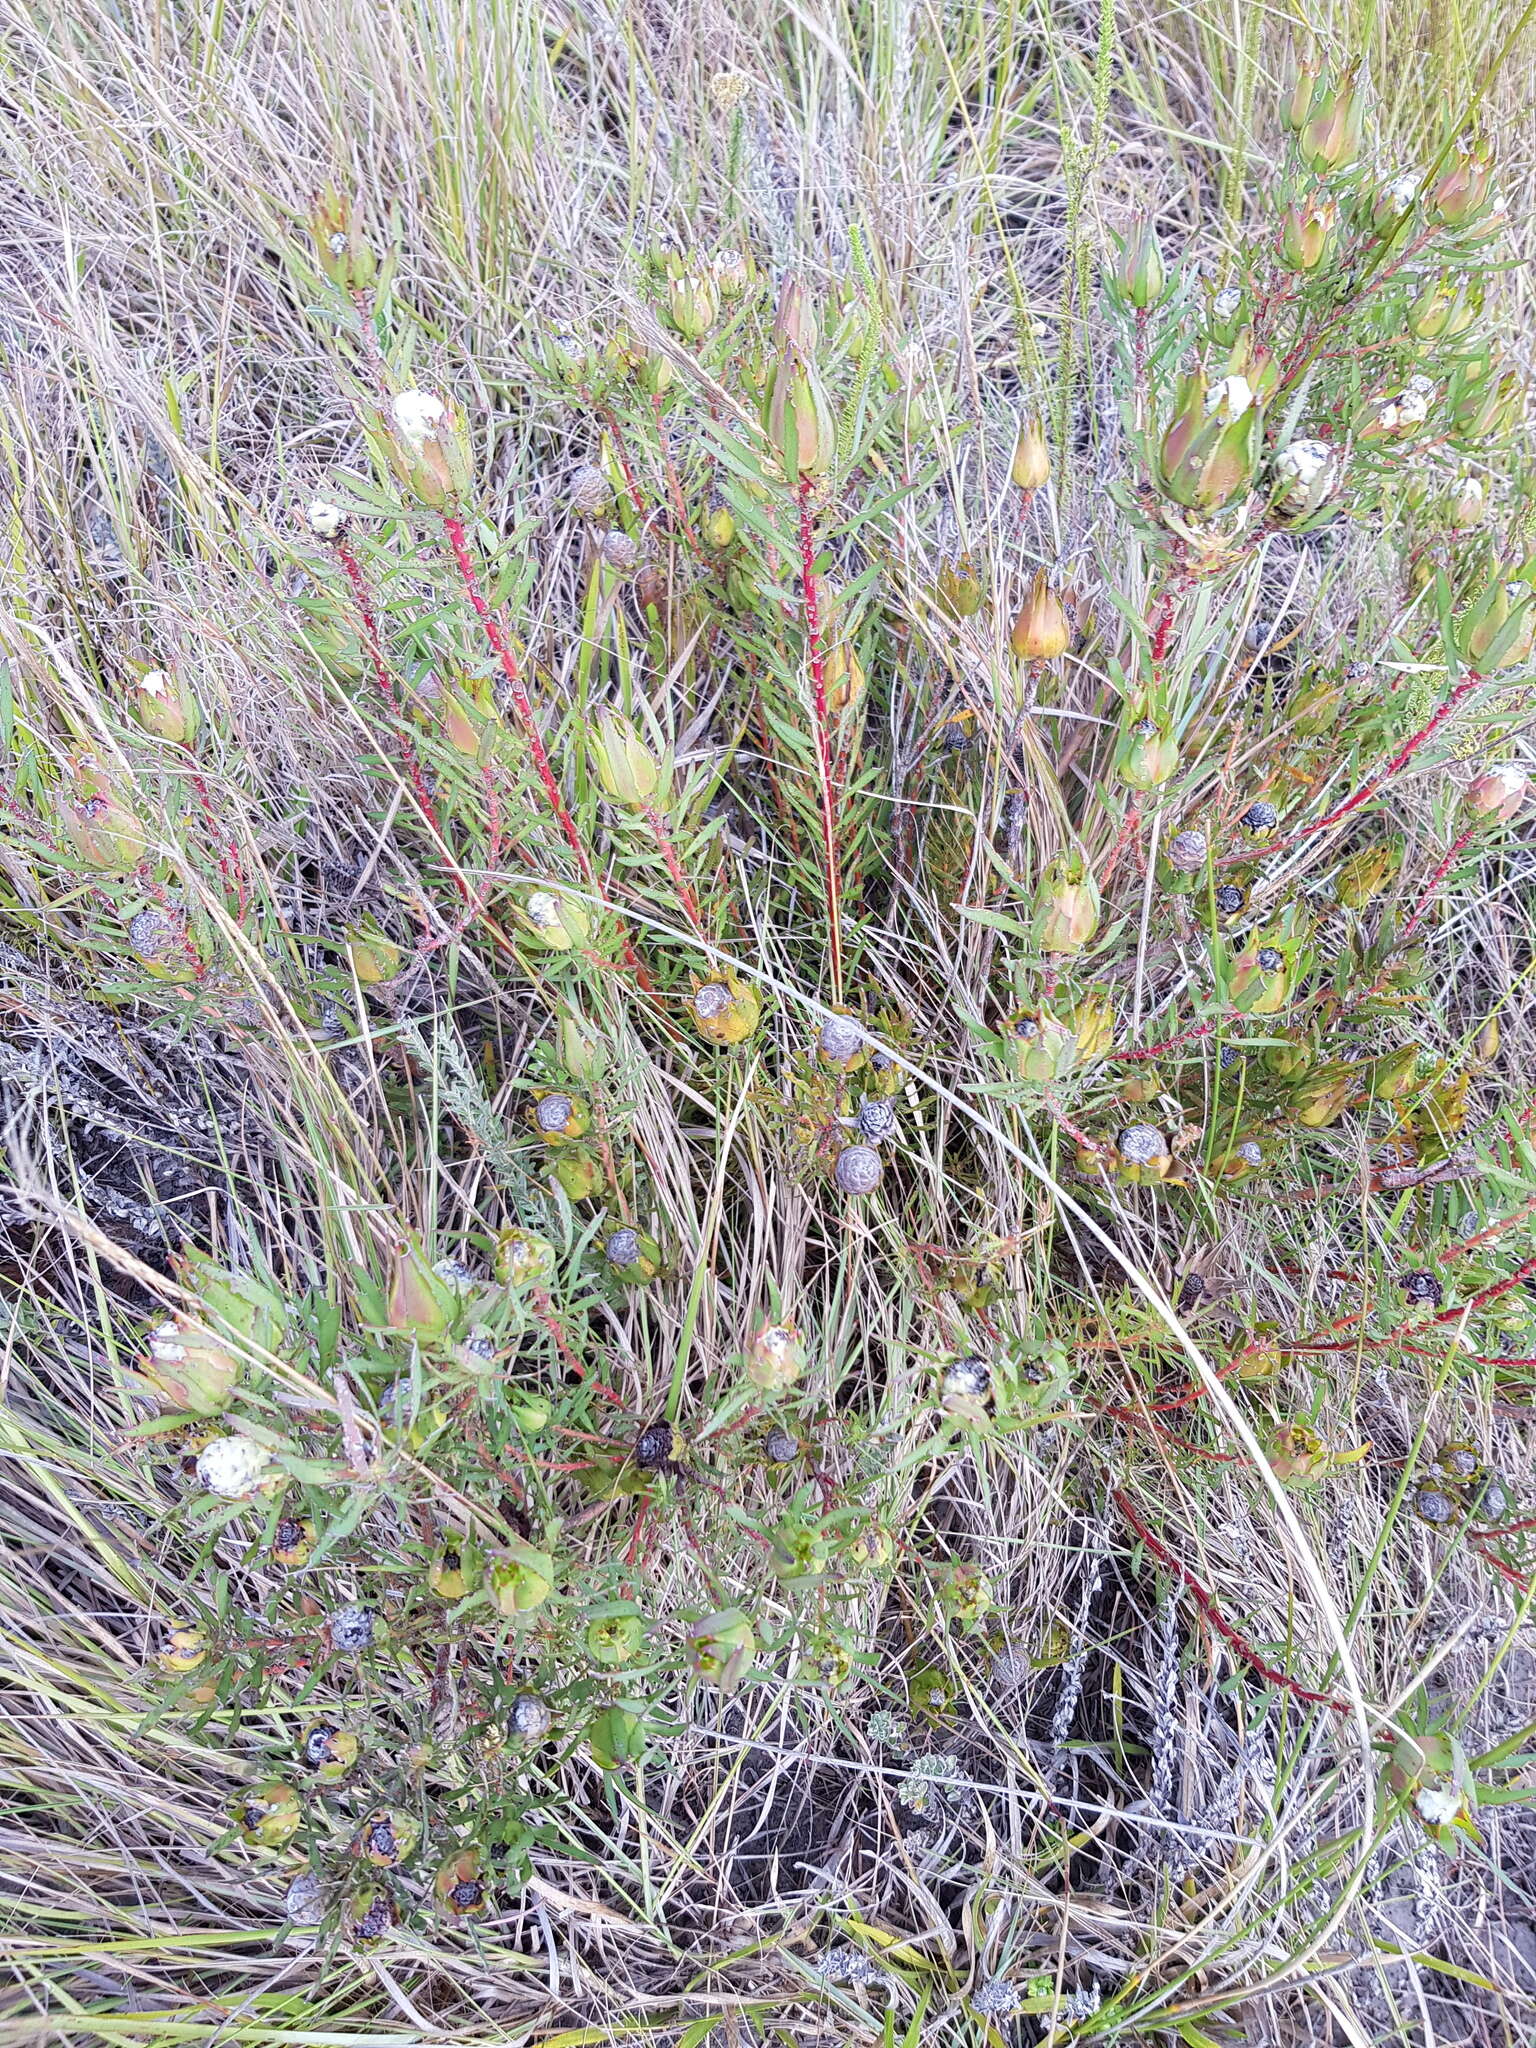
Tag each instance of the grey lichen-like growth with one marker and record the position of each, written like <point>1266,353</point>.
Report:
<point>999,1998</point>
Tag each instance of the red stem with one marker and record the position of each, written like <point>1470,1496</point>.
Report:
<point>1219,1621</point>
<point>1438,877</point>
<point>384,682</point>
<point>818,667</point>
<point>1399,761</point>
<point>685,895</point>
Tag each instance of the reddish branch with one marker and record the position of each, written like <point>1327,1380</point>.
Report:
<point>384,682</point>
<point>1438,877</point>
<point>1367,790</point>
<point>1217,1619</point>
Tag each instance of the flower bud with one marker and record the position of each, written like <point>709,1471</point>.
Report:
<point>1138,278</point>
<point>191,1371</point>
<point>1306,475</point>
<point>721,1646</point>
<point>1322,1096</point>
<point>794,319</point>
<point>1031,468</point>
<point>797,416</point>
<point>615,1634</point>
<point>1308,230</point>
<point>959,588</point>
<point>521,1578</point>
<point>1466,503</point>
<point>372,957</point>
<point>1366,873</point>
<point>1146,755</point>
<point>164,706</point>
<point>1441,311</point>
<point>719,527</point>
<point>775,1358</point>
<point>346,256</point>
<point>616,1736</point>
<point>725,1011</point>
<point>104,832</point>
<point>692,303</point>
<point>427,448</point>
<point>1498,793</point>
<point>1498,630</point>
<point>1040,632</point>
<point>554,919</point>
<point>1261,980</point>
<point>1092,1018</point>
<point>583,1050</point>
<point>579,1172</point>
<point>625,765</point>
<point>1297,110</point>
<point>1066,906</point>
<point>1464,192</point>
<point>1329,139</point>
<point>420,1302</point>
<point>270,1815</point>
<point>1040,1047</point>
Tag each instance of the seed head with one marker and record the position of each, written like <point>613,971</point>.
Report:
<point>530,1717</point>
<point>840,1039</point>
<point>1434,1506</point>
<point>875,1121</point>
<point>1422,1287</point>
<point>325,520</point>
<point>1270,958</point>
<point>779,1447</point>
<point>623,1247</point>
<point>1260,817</point>
<point>858,1170</point>
<point>653,1446</point>
<point>968,1378</point>
<point>712,1000</point>
<point>1230,899</point>
<point>352,1628</point>
<point>231,1466</point>
<point>304,1900</point>
<point>553,1112</point>
<point>1141,1143</point>
<point>589,494</point>
<point>1187,851</point>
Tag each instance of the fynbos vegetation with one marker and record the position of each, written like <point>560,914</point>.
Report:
<point>770,1206</point>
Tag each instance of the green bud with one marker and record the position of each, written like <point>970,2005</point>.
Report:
<point>1138,278</point>
<point>721,1646</point>
<point>627,769</point>
<point>1066,906</point>
<point>615,1634</point>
